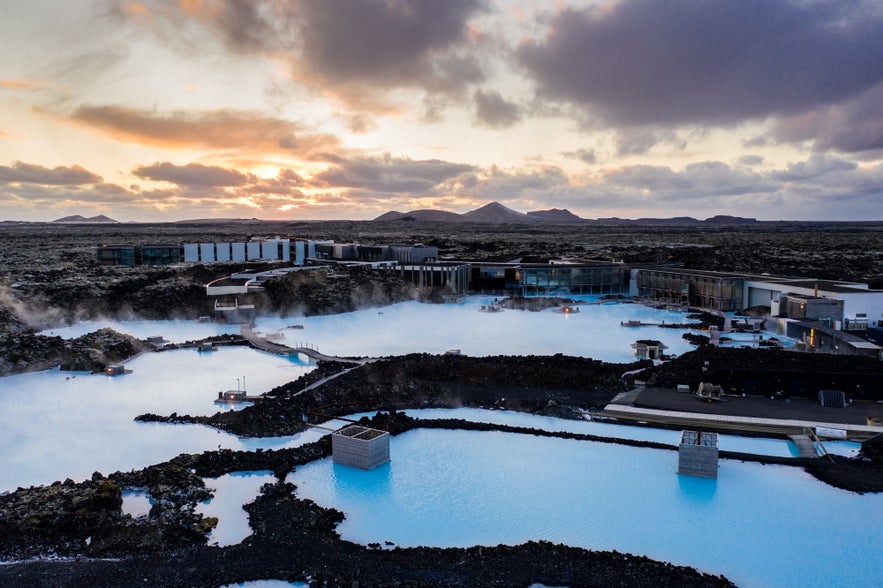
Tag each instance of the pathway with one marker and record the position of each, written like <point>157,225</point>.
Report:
<point>755,424</point>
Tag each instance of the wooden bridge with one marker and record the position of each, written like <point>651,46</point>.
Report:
<point>307,349</point>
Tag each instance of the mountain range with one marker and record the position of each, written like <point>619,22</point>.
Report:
<point>499,214</point>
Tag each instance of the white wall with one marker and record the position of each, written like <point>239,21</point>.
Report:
<point>870,303</point>
<point>253,250</point>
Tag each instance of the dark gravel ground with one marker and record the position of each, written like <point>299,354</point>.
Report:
<point>760,406</point>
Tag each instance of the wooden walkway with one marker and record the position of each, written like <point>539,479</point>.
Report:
<point>719,421</point>
<point>805,445</point>
<point>309,350</point>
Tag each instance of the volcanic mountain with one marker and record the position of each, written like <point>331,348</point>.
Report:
<point>489,213</point>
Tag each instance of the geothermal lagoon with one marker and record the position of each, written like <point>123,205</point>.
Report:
<point>759,525</point>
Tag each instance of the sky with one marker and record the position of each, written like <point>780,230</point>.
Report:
<point>163,110</point>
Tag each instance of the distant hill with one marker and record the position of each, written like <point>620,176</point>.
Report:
<point>496,213</point>
<point>723,219</point>
<point>425,214</point>
<point>556,215</point>
<point>76,218</point>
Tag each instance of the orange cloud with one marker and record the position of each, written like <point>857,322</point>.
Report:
<point>137,9</point>
<point>21,84</point>
<point>215,129</point>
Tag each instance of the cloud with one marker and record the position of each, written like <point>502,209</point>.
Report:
<point>697,180</point>
<point>389,174</point>
<point>21,84</point>
<point>816,166</point>
<point>493,111</point>
<point>643,62</point>
<point>584,155</point>
<point>217,129</point>
<point>355,49</point>
<point>27,173</point>
<point>854,126</point>
<point>750,160</point>
<point>192,174</point>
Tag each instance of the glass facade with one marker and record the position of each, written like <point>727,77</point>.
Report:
<point>573,280</point>
<point>121,255</point>
<point>683,287</point>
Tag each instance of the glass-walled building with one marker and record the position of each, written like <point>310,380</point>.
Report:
<point>573,280</point>
<point>691,287</point>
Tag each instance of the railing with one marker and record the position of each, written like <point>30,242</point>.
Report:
<point>809,432</point>
<point>304,345</point>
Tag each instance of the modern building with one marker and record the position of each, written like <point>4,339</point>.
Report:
<point>697,288</point>
<point>129,255</point>
<point>451,275</point>
<point>254,250</point>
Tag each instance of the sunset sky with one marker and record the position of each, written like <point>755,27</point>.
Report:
<point>158,110</point>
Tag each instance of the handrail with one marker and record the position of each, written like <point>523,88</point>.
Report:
<point>809,432</point>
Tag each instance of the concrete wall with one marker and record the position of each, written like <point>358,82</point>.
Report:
<point>360,447</point>
<point>253,250</point>
<point>698,458</point>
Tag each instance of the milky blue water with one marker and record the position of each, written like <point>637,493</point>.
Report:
<point>411,327</point>
<point>758,525</point>
<point>755,445</point>
<point>136,503</point>
<point>69,424</point>
<point>231,491</point>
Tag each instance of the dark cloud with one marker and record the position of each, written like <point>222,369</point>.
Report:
<point>635,141</point>
<point>388,174</point>
<point>382,43</point>
<point>193,174</point>
<point>218,129</point>
<point>643,62</point>
<point>492,110</point>
<point>28,173</point>
<point>52,195</point>
<point>750,160</point>
<point>854,126</point>
<point>584,155</point>
<point>354,46</point>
